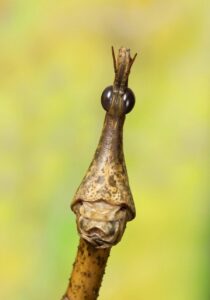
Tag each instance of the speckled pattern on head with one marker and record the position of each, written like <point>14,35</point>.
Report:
<point>106,178</point>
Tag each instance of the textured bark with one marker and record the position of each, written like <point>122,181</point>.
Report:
<point>87,273</point>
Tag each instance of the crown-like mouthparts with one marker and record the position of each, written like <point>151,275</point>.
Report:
<point>122,66</point>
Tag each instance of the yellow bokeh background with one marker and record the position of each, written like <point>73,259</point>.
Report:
<point>55,61</point>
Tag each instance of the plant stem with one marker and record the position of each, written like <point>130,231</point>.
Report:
<point>87,273</point>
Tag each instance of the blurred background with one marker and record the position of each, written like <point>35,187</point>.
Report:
<point>55,61</point>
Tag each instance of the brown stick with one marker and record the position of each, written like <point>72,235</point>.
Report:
<point>87,273</point>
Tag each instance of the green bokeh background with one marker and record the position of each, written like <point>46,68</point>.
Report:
<point>55,60</point>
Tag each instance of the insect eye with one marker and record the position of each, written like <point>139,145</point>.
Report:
<point>128,100</point>
<point>106,97</point>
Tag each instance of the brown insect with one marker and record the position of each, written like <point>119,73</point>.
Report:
<point>103,202</point>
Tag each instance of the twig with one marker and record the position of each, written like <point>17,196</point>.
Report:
<point>87,273</point>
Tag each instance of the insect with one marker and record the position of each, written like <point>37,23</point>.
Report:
<point>103,203</point>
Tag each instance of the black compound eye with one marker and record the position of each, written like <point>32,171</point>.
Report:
<point>128,100</point>
<point>106,97</point>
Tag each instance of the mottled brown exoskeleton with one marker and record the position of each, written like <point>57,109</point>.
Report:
<point>103,202</point>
